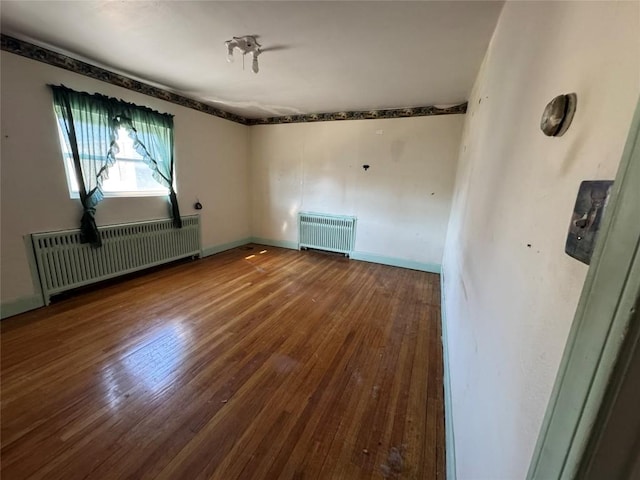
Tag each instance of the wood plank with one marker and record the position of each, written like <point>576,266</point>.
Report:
<point>243,365</point>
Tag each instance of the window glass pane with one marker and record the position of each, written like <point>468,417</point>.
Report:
<point>129,175</point>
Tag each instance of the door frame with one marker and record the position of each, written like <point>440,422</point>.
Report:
<point>601,324</point>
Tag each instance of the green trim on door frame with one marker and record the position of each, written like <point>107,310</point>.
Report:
<point>450,443</point>
<point>605,310</point>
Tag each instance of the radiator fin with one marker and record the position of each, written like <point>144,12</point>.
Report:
<point>65,263</point>
<point>327,232</point>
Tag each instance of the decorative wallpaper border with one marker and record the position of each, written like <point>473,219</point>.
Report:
<point>25,49</point>
<point>361,115</point>
<point>34,52</point>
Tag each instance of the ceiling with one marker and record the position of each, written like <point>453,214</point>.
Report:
<point>325,57</point>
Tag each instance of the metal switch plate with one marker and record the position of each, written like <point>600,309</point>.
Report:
<point>587,215</point>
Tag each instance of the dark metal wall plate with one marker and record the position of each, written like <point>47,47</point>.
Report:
<point>585,222</point>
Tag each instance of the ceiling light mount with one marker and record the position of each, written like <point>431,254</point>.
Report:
<point>246,44</point>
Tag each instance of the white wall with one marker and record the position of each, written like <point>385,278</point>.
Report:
<point>509,305</point>
<point>211,157</point>
<point>402,202</point>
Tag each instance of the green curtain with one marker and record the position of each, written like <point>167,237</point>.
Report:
<point>91,137</point>
<point>152,135</point>
<point>90,123</point>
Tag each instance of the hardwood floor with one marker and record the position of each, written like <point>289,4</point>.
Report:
<point>280,365</point>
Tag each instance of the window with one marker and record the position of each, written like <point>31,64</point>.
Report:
<point>130,176</point>
<point>98,133</point>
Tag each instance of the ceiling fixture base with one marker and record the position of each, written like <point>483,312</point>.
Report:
<point>246,44</point>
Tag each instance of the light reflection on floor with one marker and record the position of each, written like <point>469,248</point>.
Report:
<point>153,364</point>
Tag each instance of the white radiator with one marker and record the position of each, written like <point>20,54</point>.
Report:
<point>332,233</point>
<point>64,263</point>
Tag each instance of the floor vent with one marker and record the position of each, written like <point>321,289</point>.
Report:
<point>64,263</point>
<point>327,232</point>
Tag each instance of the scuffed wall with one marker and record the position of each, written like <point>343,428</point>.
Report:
<point>510,289</point>
<point>402,201</point>
<point>211,163</point>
